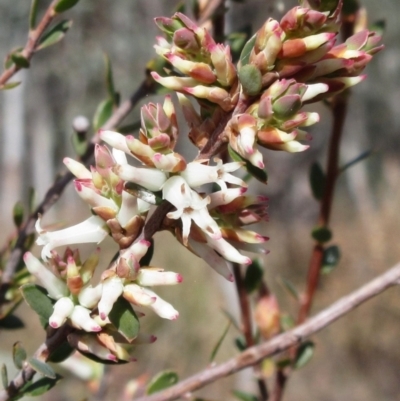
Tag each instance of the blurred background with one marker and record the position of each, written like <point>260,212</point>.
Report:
<point>357,358</point>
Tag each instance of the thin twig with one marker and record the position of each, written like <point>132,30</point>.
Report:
<point>32,42</point>
<point>284,341</point>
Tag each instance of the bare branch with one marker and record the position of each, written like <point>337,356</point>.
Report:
<point>282,342</point>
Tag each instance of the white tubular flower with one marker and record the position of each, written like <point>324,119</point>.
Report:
<point>220,265</point>
<point>129,208</point>
<point>150,277</point>
<point>138,295</point>
<point>161,307</point>
<point>61,310</point>
<point>197,174</point>
<point>115,140</point>
<point>54,285</point>
<point>90,296</point>
<point>228,251</point>
<point>149,178</point>
<point>77,169</point>
<point>112,289</point>
<point>90,230</point>
<point>80,318</point>
<point>190,206</point>
<point>225,196</point>
<point>92,198</point>
<point>119,156</point>
<point>314,90</point>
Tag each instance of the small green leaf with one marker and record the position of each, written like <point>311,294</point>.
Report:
<point>356,160</point>
<point>220,341</point>
<point>37,299</point>
<point>55,34</point>
<point>31,199</point>
<point>245,55</point>
<point>257,173</point>
<point>241,395</point>
<point>146,259</point>
<point>253,276</point>
<point>317,181</point>
<point>236,42</point>
<point>10,85</point>
<point>18,214</point>
<point>251,79</point>
<point>33,14</point>
<point>289,286</point>
<point>109,78</point>
<point>19,355</point>
<point>19,60</point>
<point>321,234</point>
<point>283,363</point>
<point>79,143</point>
<point>61,353</point>
<point>124,318</point>
<point>64,5</point>
<point>42,368</point>
<point>287,322</point>
<point>161,381</point>
<point>41,386</point>
<point>11,322</point>
<point>304,354</point>
<point>330,259</point>
<point>103,113</point>
<point>240,343</point>
<point>4,376</point>
<point>95,358</point>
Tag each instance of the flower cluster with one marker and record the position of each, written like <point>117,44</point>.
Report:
<point>285,65</point>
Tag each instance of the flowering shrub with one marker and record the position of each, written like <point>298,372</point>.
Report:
<point>140,185</point>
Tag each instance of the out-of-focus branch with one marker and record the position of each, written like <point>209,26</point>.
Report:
<point>255,354</point>
<point>32,42</point>
<point>55,191</point>
<point>42,353</point>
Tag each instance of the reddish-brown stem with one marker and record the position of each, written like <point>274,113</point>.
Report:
<point>32,42</point>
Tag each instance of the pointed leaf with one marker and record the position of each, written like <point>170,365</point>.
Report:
<point>241,395</point>
<point>289,286</point>
<point>317,181</point>
<point>103,113</point>
<point>4,376</point>
<point>124,318</point>
<point>258,173</point>
<point>245,55</point>
<point>253,276</point>
<point>304,354</point>
<point>9,85</point>
<point>64,5</point>
<point>19,60</point>
<point>41,386</point>
<point>32,199</point>
<point>55,34</point>
<point>18,214</point>
<point>251,79</point>
<point>79,143</point>
<point>219,342</point>
<point>33,14</point>
<point>287,322</point>
<point>109,78</point>
<point>19,355</point>
<point>42,368</point>
<point>356,160</point>
<point>321,234</point>
<point>331,259</point>
<point>161,381</point>
<point>37,299</point>
<point>11,322</point>
<point>95,358</point>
